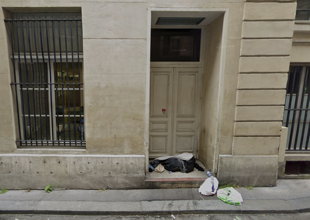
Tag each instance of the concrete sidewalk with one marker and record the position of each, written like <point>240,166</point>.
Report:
<point>289,196</point>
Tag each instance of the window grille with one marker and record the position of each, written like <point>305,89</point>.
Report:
<point>297,109</point>
<point>47,79</point>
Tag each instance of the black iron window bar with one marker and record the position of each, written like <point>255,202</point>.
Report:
<point>297,109</point>
<point>47,81</point>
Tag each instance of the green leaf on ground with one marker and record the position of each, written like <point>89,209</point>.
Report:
<point>2,191</point>
<point>49,188</point>
<point>249,187</point>
<point>102,190</point>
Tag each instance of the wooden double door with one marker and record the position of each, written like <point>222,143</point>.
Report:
<point>174,110</point>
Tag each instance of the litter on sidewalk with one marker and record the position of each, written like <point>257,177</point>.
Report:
<point>209,186</point>
<point>230,196</point>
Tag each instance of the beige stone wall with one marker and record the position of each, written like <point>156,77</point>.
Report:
<point>210,96</point>
<point>35,171</point>
<point>251,81</point>
<point>115,57</point>
<point>7,132</point>
<point>116,62</point>
<point>264,63</point>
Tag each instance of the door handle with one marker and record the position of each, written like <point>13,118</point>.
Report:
<point>163,110</point>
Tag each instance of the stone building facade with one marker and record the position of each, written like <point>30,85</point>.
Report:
<point>226,106</point>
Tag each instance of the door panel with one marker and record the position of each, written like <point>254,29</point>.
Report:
<point>185,126</point>
<point>186,104</point>
<point>186,93</point>
<point>159,143</point>
<point>160,93</point>
<point>160,114</point>
<point>185,143</point>
<point>174,111</point>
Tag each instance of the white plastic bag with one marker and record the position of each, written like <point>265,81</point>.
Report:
<point>230,196</point>
<point>209,186</point>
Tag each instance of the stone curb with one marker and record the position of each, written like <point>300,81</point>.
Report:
<point>301,205</point>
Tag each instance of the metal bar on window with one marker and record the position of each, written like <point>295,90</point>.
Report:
<point>33,91</point>
<point>295,122</point>
<point>295,106</point>
<point>63,84</point>
<point>27,79</point>
<point>300,102</point>
<point>43,19</point>
<point>45,72</point>
<point>75,56</point>
<point>55,86</point>
<point>308,106</point>
<point>39,80</point>
<point>21,86</point>
<point>67,78</point>
<point>50,82</point>
<point>73,77</point>
<point>307,77</point>
<point>290,93</point>
<point>81,121</point>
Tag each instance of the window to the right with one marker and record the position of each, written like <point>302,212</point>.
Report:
<point>297,108</point>
<point>303,10</point>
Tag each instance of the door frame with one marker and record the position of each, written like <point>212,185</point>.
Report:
<point>200,65</point>
<point>225,11</point>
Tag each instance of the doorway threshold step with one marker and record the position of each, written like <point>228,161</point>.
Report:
<point>149,179</point>
<point>176,176</point>
<point>175,180</point>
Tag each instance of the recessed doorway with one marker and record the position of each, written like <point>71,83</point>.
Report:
<point>185,75</point>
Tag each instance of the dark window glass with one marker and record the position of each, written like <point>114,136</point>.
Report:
<point>175,44</point>
<point>294,79</point>
<point>303,10</point>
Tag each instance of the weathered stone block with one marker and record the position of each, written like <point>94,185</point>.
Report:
<point>261,97</point>
<point>264,64</point>
<point>262,81</point>
<point>267,29</point>
<point>259,113</point>
<point>248,170</point>
<point>26,171</point>
<point>256,145</point>
<point>266,47</point>
<point>257,128</point>
<point>269,11</point>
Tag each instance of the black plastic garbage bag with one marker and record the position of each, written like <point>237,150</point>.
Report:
<point>176,164</point>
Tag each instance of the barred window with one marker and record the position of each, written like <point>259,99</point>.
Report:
<point>47,81</point>
<point>297,108</point>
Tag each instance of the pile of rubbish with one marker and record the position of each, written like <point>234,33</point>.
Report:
<point>228,194</point>
<point>185,163</point>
